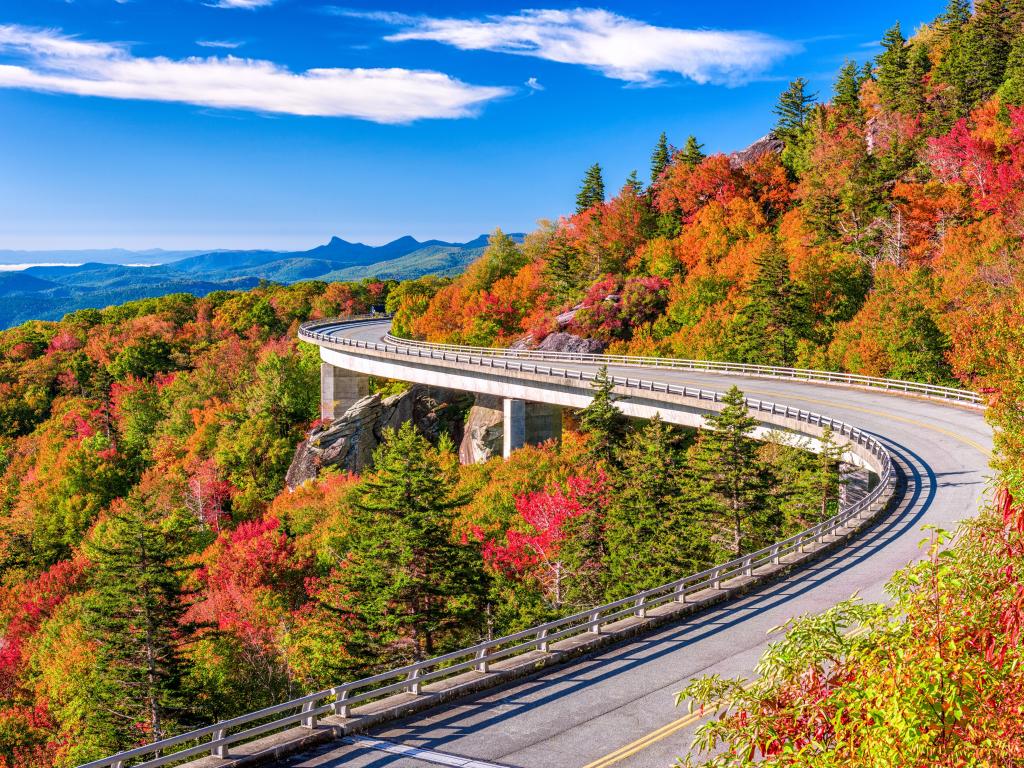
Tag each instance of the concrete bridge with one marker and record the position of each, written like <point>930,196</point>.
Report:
<point>596,689</point>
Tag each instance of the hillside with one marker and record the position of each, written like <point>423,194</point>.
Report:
<point>50,292</point>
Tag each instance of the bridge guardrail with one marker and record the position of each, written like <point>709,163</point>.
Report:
<point>217,738</point>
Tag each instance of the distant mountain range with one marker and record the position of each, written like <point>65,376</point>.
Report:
<point>63,281</point>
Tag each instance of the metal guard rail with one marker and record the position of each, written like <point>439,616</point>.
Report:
<point>216,739</point>
<point>747,369</point>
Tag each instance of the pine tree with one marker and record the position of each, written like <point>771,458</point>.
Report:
<point>775,316</point>
<point>1012,89</point>
<point>660,157</point>
<point>592,191</point>
<point>793,109</point>
<point>410,583</point>
<point>563,272</point>
<point>633,184</point>
<point>892,67</point>
<point>846,100</point>
<point>956,15</point>
<point>988,43</point>
<point>912,100</point>
<point>601,421</point>
<point>693,152</point>
<point>731,474</point>
<point>135,615</point>
<point>651,530</point>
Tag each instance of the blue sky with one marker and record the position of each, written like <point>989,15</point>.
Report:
<point>278,123</point>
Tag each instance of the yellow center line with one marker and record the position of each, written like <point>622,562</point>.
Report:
<point>665,731</point>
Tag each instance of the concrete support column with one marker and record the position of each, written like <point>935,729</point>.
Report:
<point>514,425</point>
<point>339,390</point>
<point>543,423</point>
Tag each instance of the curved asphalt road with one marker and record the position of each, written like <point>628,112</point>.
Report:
<point>617,708</point>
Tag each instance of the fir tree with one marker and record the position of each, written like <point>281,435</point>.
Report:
<point>775,316</point>
<point>1012,89</point>
<point>912,100</point>
<point>692,152</point>
<point>135,615</point>
<point>793,109</point>
<point>592,191</point>
<point>410,583</point>
<point>988,43</point>
<point>892,67</point>
<point>602,422</point>
<point>956,15</point>
<point>660,157</point>
<point>563,272</point>
<point>650,526</point>
<point>846,100</point>
<point>732,476</point>
<point>633,184</point>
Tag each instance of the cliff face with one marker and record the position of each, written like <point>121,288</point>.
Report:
<point>766,145</point>
<point>348,443</point>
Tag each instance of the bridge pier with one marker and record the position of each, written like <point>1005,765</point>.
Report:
<point>529,423</point>
<point>339,390</point>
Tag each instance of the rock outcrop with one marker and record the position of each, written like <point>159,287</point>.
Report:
<point>484,431</point>
<point>766,145</point>
<point>348,442</point>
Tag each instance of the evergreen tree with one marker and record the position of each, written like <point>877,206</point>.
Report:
<point>693,152</point>
<point>775,316</point>
<point>956,15</point>
<point>411,584</point>
<point>563,272</point>
<point>592,191</point>
<point>732,477</point>
<point>846,100</point>
<point>793,109</point>
<point>892,67</point>
<point>660,157</point>
<point>602,422</point>
<point>988,43</point>
<point>633,184</point>
<point>650,527</point>
<point>135,616</point>
<point>1012,89</point>
<point>912,99</point>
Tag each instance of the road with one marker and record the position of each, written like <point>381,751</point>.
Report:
<point>617,708</point>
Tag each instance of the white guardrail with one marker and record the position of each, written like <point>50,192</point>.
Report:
<point>217,739</point>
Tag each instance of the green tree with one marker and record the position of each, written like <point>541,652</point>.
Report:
<point>135,616</point>
<point>775,316</point>
<point>892,67</point>
<point>501,258</point>
<point>732,476</point>
<point>956,15</point>
<point>411,583</point>
<point>592,191</point>
<point>846,98</point>
<point>651,528</point>
<point>1012,89</point>
<point>912,98</point>
<point>660,157</point>
<point>601,421</point>
<point>692,152</point>
<point>793,109</point>
<point>563,270</point>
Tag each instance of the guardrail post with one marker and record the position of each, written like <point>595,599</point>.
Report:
<point>340,708</point>
<point>309,721</point>
<point>481,657</point>
<point>716,579</point>
<point>641,607</point>
<point>681,593</point>
<point>775,554</point>
<point>748,566</point>
<point>219,748</point>
<point>415,686</point>
<point>595,623</point>
<point>542,643</point>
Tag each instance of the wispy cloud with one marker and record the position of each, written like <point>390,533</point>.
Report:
<point>48,61</point>
<point>534,84</point>
<point>250,5</point>
<point>617,46</point>
<point>218,44</point>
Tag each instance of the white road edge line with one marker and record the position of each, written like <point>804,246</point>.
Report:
<point>417,753</point>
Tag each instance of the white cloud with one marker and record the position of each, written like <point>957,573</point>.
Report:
<point>48,61</point>
<point>617,46</point>
<point>250,5</point>
<point>218,44</point>
<point>534,84</point>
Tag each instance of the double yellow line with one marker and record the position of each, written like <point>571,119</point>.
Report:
<point>665,731</point>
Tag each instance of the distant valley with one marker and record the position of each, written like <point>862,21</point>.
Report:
<point>100,278</point>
